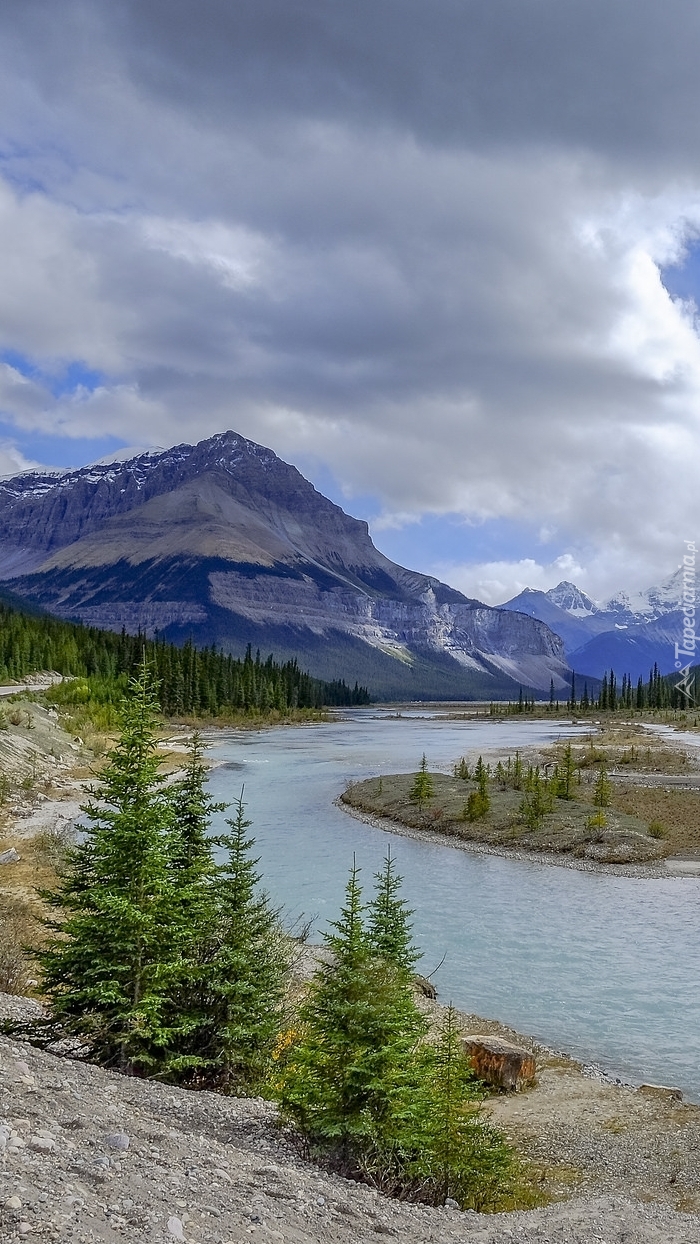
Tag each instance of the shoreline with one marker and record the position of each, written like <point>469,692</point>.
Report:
<point>646,872</point>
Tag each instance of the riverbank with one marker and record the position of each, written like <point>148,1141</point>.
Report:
<point>649,825</point>
<point>92,1155</point>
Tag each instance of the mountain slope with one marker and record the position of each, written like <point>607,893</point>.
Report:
<point>225,543</point>
<point>629,633</point>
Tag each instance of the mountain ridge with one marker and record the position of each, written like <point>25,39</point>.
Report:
<point>630,632</point>
<point>225,543</point>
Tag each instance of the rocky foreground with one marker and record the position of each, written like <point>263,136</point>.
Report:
<point>88,1155</point>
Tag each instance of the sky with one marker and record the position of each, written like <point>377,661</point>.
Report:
<point>443,256</point>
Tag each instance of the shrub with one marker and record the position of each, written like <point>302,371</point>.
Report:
<point>656,829</point>
<point>477,806</point>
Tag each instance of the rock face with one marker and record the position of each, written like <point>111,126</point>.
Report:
<point>498,1062</point>
<point>223,542</point>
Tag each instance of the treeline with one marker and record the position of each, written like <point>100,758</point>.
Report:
<point>167,961</point>
<point>658,692</point>
<point>193,681</point>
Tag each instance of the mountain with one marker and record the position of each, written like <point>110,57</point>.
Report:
<point>224,543</point>
<point>628,632</point>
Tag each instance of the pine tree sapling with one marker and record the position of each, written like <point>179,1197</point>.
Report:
<point>459,1154</point>
<point>602,792</point>
<point>567,774</point>
<point>389,920</point>
<point>477,806</point>
<point>422,787</point>
<point>346,1082</point>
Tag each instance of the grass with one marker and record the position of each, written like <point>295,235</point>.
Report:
<point>675,811</point>
<point>566,830</point>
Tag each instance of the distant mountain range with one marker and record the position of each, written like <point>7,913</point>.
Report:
<point>224,543</point>
<point>628,633</point>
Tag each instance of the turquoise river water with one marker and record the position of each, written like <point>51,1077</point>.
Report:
<point>606,968</point>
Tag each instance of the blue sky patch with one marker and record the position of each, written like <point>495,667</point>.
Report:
<point>64,378</point>
<point>436,538</point>
<point>59,451</point>
<point>683,280</point>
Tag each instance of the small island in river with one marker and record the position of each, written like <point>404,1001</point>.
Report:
<point>614,801</point>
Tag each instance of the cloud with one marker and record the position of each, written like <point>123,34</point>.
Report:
<point>498,581</point>
<point>423,247</point>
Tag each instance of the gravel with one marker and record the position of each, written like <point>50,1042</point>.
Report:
<point>93,1156</point>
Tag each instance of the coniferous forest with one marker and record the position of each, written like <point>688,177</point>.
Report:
<point>192,681</point>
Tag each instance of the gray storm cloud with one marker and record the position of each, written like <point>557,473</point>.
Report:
<point>419,244</point>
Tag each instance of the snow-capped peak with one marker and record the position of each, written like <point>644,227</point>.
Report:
<point>125,455</point>
<point>569,597</point>
<point>653,602</point>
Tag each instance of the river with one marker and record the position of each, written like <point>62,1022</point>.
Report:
<point>606,968</point>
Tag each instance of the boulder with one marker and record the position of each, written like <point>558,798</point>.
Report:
<point>9,857</point>
<point>665,1091</point>
<point>424,986</point>
<point>499,1062</point>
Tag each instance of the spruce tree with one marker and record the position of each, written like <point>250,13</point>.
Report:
<point>115,952</point>
<point>347,1080</point>
<point>422,787</point>
<point>195,909</point>
<point>567,774</point>
<point>248,968</point>
<point>602,792</point>
<point>459,1154</point>
<point>389,919</point>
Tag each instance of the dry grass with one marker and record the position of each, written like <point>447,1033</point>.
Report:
<point>678,811</point>
<point>19,928</point>
<point>624,839</point>
<point>21,907</point>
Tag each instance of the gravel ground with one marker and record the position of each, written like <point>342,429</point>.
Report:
<point>88,1155</point>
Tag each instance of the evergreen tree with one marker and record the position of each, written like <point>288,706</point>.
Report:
<point>567,774</point>
<point>459,1154</point>
<point>196,910</point>
<point>603,791</point>
<point>537,800</point>
<point>389,923</point>
<point>347,1079</point>
<point>248,968</point>
<point>109,967</point>
<point>572,701</point>
<point>422,787</point>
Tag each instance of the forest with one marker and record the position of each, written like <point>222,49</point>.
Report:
<point>192,681</point>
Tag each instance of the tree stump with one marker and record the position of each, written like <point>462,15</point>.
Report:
<point>499,1062</point>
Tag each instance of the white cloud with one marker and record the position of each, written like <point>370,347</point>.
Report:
<point>498,581</point>
<point>452,320</point>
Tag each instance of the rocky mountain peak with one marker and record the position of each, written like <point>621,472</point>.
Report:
<point>225,543</point>
<point>571,598</point>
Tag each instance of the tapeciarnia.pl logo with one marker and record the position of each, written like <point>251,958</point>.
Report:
<point>688,645</point>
